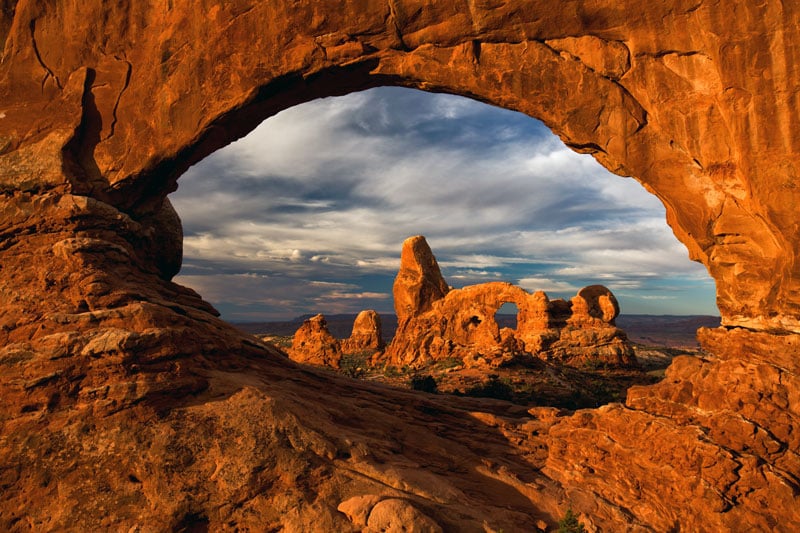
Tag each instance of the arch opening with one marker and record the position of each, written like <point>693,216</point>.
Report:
<point>341,194</point>
<point>507,316</point>
<point>306,216</point>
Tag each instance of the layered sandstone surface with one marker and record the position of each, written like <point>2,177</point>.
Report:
<point>442,322</point>
<point>127,404</point>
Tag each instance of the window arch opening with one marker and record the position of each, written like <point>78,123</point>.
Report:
<point>307,214</point>
<point>507,315</point>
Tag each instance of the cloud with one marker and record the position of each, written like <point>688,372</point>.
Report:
<point>546,285</point>
<point>329,190</point>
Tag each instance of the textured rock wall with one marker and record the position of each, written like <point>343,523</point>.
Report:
<point>693,100</point>
<point>109,372</point>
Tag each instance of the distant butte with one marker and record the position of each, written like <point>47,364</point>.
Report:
<point>128,405</point>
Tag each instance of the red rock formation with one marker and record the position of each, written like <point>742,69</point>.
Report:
<point>314,344</point>
<point>461,323</point>
<point>419,282</point>
<point>731,418</point>
<point>110,373</point>
<point>589,333</point>
<point>367,334</point>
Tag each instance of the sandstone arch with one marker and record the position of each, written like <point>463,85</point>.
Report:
<point>695,100</point>
<point>644,106</point>
<point>443,323</point>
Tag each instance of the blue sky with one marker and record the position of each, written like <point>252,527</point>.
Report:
<point>308,213</point>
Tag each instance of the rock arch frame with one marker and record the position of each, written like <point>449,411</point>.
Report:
<point>695,101</point>
<point>607,83</point>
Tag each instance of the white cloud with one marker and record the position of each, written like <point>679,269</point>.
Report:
<point>333,285</point>
<point>336,295</point>
<point>378,264</point>
<point>546,285</point>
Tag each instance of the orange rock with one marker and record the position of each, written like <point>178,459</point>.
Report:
<point>126,402</point>
<point>657,109</point>
<point>419,282</point>
<point>395,514</point>
<point>358,508</point>
<point>462,324</point>
<point>314,344</point>
<point>367,334</point>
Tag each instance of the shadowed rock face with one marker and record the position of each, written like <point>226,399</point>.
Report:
<point>461,322</point>
<point>111,373</point>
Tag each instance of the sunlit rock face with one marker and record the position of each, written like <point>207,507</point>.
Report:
<point>110,373</point>
<point>314,344</point>
<point>461,323</point>
<point>367,334</point>
<point>687,107</point>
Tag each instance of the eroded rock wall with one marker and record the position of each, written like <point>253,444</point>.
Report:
<point>682,96</point>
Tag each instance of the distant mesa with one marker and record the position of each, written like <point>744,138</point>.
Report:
<point>436,322</point>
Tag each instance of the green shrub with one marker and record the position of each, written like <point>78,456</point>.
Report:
<point>391,371</point>
<point>492,388</point>
<point>570,523</point>
<point>354,365</point>
<point>424,383</point>
<point>448,362</point>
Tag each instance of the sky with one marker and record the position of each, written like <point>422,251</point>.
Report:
<point>307,214</point>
